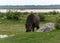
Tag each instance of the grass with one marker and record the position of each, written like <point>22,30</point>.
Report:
<point>11,28</point>
<point>34,37</point>
<point>50,19</point>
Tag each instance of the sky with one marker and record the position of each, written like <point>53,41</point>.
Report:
<point>29,2</point>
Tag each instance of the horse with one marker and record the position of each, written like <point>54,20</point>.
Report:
<point>32,22</point>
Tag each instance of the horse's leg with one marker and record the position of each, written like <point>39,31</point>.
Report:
<point>37,27</point>
<point>29,30</point>
<point>26,30</point>
<point>32,28</point>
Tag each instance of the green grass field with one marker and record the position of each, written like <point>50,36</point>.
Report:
<point>17,28</point>
<point>34,37</point>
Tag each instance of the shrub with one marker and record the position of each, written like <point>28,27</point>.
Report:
<point>53,13</point>
<point>16,15</point>
<point>42,17</point>
<point>9,15</point>
<point>58,22</point>
<point>25,13</point>
<point>13,15</point>
<point>2,14</point>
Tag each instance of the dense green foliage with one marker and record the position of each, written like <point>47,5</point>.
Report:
<point>42,16</point>
<point>58,22</point>
<point>13,15</point>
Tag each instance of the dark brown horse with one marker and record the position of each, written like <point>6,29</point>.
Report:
<point>32,22</point>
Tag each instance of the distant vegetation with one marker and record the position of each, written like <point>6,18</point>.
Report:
<point>23,15</point>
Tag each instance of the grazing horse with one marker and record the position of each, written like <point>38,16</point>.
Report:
<point>32,22</point>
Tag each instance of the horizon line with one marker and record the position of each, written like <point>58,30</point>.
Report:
<point>24,5</point>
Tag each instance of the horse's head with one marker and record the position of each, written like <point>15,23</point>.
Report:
<point>28,27</point>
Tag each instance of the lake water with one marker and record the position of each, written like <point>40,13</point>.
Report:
<point>29,10</point>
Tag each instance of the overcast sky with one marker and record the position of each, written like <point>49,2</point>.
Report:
<point>29,2</point>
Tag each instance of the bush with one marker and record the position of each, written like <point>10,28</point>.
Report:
<point>25,13</point>
<point>2,14</point>
<point>58,22</point>
<point>13,15</point>
<point>53,13</point>
<point>9,15</point>
<point>42,17</point>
